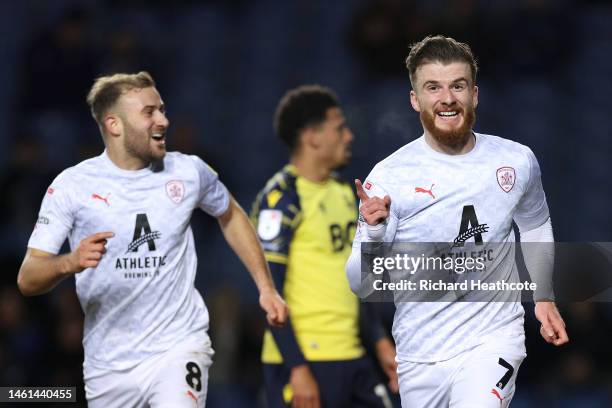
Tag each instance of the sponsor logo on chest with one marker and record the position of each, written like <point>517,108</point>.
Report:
<point>137,267</point>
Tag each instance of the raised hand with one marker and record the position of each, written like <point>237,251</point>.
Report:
<point>374,210</point>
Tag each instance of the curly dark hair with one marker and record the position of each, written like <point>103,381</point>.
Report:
<point>301,108</point>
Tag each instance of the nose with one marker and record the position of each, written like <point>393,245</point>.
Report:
<point>161,120</point>
<point>348,135</point>
<point>447,97</point>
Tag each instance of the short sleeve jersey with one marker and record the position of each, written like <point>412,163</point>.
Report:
<point>141,299</point>
<point>456,199</point>
<point>307,228</point>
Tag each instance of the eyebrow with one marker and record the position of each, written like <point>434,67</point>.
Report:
<point>454,81</point>
<point>161,106</point>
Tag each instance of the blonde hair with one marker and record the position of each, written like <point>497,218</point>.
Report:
<point>106,90</point>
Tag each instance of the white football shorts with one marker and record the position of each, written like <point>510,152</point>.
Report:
<point>481,377</point>
<point>177,378</point>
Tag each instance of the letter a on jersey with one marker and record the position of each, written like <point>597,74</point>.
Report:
<point>470,227</point>
<point>142,234</point>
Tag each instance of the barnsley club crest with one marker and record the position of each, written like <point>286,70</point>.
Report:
<point>506,176</point>
<point>175,190</point>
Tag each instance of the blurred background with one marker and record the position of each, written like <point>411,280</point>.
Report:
<point>222,66</point>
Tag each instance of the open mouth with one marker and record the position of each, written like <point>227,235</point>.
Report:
<point>158,136</point>
<point>448,114</point>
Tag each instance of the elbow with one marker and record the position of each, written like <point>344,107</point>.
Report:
<point>353,274</point>
<point>25,287</point>
<point>354,288</point>
<point>354,284</point>
<point>349,269</point>
<point>361,290</point>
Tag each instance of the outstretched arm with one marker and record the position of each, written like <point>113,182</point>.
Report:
<point>241,237</point>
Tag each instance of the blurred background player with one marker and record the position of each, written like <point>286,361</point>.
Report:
<point>459,353</point>
<point>126,214</point>
<point>305,217</point>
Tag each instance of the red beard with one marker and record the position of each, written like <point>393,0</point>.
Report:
<point>456,137</point>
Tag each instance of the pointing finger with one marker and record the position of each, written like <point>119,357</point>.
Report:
<point>101,236</point>
<point>360,192</point>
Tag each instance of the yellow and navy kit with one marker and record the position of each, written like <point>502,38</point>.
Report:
<point>307,229</point>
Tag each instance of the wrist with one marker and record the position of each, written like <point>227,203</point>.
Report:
<point>300,369</point>
<point>266,289</point>
<point>376,232</point>
<point>67,265</point>
<point>383,345</point>
<point>383,342</point>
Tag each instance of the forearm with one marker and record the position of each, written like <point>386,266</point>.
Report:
<point>287,345</point>
<point>353,273</point>
<point>539,253</point>
<point>242,238</point>
<point>370,241</point>
<point>284,337</point>
<point>39,274</point>
<point>361,278</point>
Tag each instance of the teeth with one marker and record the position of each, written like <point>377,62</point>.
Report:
<point>453,113</point>
<point>157,136</point>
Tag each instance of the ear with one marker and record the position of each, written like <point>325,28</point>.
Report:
<point>475,97</point>
<point>113,125</point>
<point>414,101</point>
<point>309,137</point>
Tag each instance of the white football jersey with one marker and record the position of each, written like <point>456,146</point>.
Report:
<point>141,299</point>
<point>472,199</point>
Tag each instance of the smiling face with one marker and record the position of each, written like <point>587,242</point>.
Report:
<point>143,125</point>
<point>446,98</point>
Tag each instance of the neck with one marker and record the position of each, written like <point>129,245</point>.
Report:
<point>309,168</point>
<point>451,150</point>
<point>123,159</point>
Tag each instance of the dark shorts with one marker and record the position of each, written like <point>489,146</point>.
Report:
<point>348,383</point>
